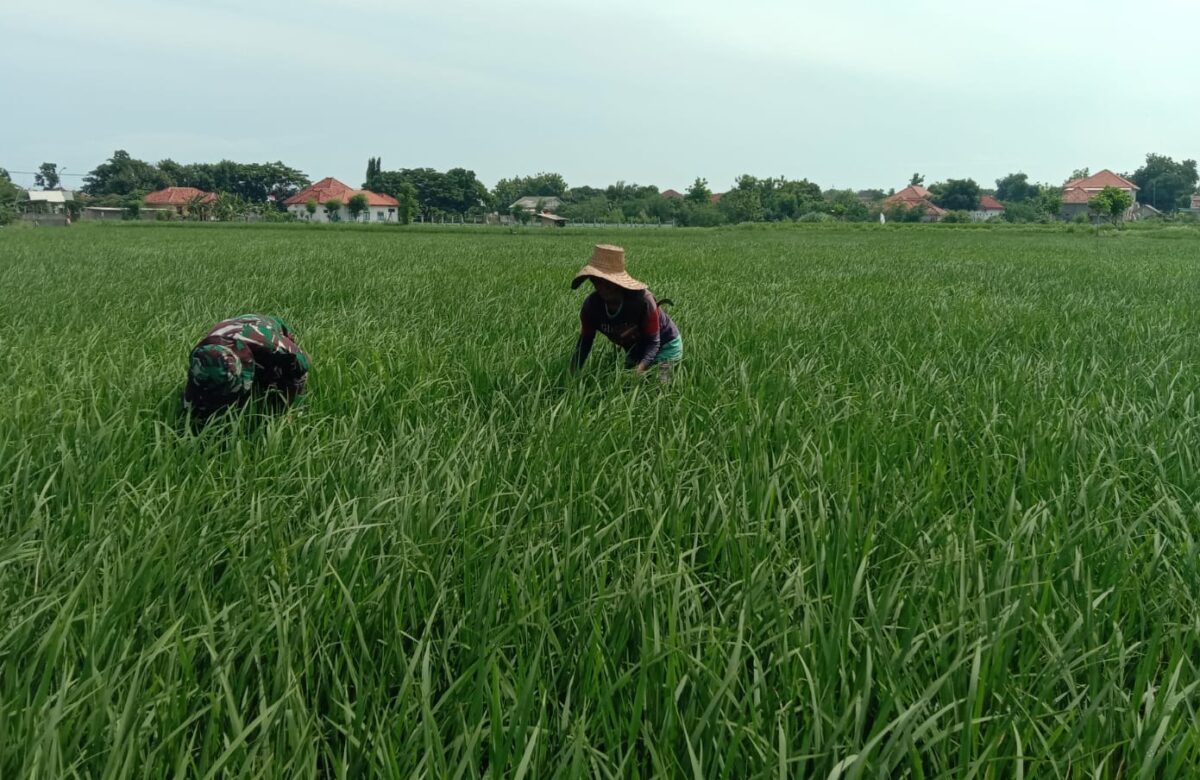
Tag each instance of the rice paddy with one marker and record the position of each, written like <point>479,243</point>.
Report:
<point>918,503</point>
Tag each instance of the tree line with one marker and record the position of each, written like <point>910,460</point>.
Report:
<point>429,194</point>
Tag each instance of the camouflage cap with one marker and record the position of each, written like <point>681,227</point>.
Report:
<point>215,371</point>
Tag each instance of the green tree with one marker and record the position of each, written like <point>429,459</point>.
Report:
<point>544,184</point>
<point>916,180</point>
<point>310,206</point>
<point>374,168</point>
<point>356,206</point>
<point>10,198</point>
<point>333,209</point>
<point>406,194</point>
<point>124,175</point>
<point>196,208</point>
<point>699,194</point>
<point>956,194</point>
<point>1015,188</point>
<point>1079,173</point>
<point>742,204</point>
<point>846,205</point>
<point>1050,200</point>
<point>47,176</point>
<point>700,215</point>
<point>1111,202</point>
<point>1165,184</point>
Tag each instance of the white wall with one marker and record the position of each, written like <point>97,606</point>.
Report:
<point>374,214</point>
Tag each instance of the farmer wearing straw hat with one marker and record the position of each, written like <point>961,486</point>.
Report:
<point>240,356</point>
<point>623,309</point>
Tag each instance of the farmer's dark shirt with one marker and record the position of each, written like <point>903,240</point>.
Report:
<point>638,326</point>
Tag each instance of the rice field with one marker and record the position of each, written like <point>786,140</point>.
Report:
<point>919,503</point>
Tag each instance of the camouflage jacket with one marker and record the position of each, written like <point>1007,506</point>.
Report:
<point>267,355</point>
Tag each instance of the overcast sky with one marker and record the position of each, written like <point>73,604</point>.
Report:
<point>846,94</point>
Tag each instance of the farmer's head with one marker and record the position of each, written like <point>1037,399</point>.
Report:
<point>607,272</point>
<point>216,378</point>
<point>610,292</point>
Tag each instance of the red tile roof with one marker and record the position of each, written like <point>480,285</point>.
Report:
<point>914,195</point>
<point>329,188</point>
<point>1099,181</point>
<point>1077,195</point>
<point>178,196</point>
<point>716,197</point>
<point>672,194</point>
<point>988,203</point>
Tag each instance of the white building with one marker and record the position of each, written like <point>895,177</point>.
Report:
<point>988,208</point>
<point>380,208</point>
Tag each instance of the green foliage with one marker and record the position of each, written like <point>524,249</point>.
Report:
<point>10,199</point>
<point>699,194</point>
<point>1165,184</point>
<point>508,191</point>
<point>956,194</point>
<point>124,175</point>
<point>253,182</point>
<point>1080,173</point>
<point>310,206</point>
<point>846,205</point>
<point>333,209</point>
<point>356,205</point>
<point>456,192</point>
<point>406,194</point>
<point>1015,188</point>
<point>916,180</point>
<point>47,176</point>
<point>742,204</point>
<point>1050,200</point>
<point>1111,202</point>
<point>956,216</point>
<point>898,212</point>
<point>918,503</point>
<point>374,168</point>
<point>700,215</point>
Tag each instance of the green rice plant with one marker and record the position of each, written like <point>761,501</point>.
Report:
<point>919,503</point>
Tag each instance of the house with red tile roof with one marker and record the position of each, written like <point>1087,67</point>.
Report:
<point>1077,193</point>
<point>672,194</point>
<point>178,199</point>
<point>988,208</point>
<point>380,208</point>
<point>912,196</point>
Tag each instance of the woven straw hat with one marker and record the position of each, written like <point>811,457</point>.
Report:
<point>608,262</point>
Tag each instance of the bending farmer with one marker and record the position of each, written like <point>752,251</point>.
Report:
<point>623,309</point>
<point>239,357</point>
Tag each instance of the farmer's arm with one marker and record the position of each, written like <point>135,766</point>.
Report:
<point>587,334</point>
<point>292,363</point>
<point>643,353</point>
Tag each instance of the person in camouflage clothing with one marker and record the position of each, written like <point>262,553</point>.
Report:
<point>239,357</point>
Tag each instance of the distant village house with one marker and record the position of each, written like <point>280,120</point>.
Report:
<point>380,208</point>
<point>1077,193</point>
<point>911,197</point>
<point>989,208</point>
<point>180,200</point>
<point>534,204</point>
<point>48,201</point>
